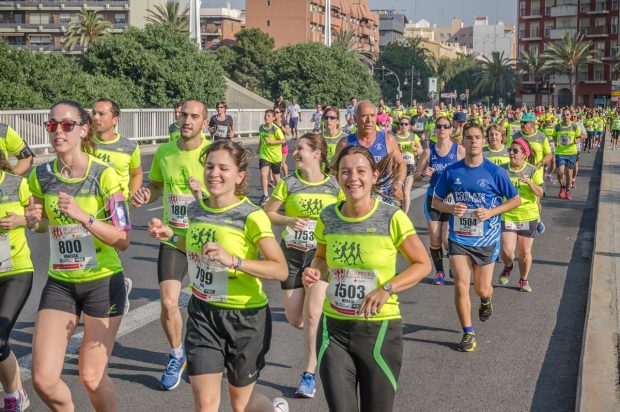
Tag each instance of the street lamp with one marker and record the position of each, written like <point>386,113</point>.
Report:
<point>412,71</point>
<point>390,72</point>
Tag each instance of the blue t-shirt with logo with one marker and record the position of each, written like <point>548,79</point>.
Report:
<point>439,164</point>
<point>483,186</point>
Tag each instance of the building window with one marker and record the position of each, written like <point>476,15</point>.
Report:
<point>120,18</point>
<point>614,24</point>
<point>599,72</point>
<point>268,23</point>
<point>39,18</point>
<point>65,18</point>
<point>613,47</point>
<point>40,40</point>
<point>582,73</point>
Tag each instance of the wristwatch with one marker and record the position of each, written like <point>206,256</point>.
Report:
<point>388,288</point>
<point>173,239</point>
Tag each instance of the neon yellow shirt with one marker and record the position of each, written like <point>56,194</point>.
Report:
<point>499,157</point>
<point>122,154</point>
<point>14,250</point>
<point>528,210</point>
<point>269,151</point>
<point>565,136</point>
<point>10,141</point>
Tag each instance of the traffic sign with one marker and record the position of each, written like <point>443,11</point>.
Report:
<point>449,95</point>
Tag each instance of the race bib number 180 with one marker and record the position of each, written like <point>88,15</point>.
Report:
<point>348,288</point>
<point>72,247</point>
<point>177,210</point>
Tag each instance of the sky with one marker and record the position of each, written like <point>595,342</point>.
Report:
<point>439,12</point>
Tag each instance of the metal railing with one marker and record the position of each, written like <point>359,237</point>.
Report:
<point>142,125</point>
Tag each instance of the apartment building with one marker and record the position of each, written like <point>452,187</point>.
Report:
<point>40,25</point>
<point>301,21</point>
<point>542,22</point>
<point>218,26</point>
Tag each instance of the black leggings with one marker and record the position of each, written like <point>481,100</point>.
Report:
<point>354,353</point>
<point>14,291</point>
<point>588,143</point>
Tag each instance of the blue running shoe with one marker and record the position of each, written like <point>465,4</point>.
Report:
<point>540,227</point>
<point>439,279</point>
<point>307,386</point>
<point>173,372</point>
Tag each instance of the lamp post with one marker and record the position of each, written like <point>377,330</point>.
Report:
<point>390,72</point>
<point>412,71</point>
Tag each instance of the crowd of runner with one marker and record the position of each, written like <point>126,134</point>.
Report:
<point>343,210</point>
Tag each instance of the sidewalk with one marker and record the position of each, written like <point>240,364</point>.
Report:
<point>597,387</point>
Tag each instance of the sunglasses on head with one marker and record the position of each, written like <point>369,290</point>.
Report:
<point>443,126</point>
<point>66,125</point>
<point>331,118</point>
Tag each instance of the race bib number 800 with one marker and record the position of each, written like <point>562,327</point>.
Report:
<point>72,247</point>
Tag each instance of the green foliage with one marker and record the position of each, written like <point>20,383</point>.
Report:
<point>496,76</point>
<point>86,30</point>
<point>226,56</point>
<point>252,50</point>
<point>169,14</point>
<point>314,73</point>
<point>162,63</point>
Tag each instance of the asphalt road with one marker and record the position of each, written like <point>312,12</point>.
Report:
<point>527,356</point>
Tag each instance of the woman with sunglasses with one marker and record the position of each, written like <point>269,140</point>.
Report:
<point>221,124</point>
<point>432,163</point>
<point>519,225</point>
<point>80,200</point>
<point>304,194</point>
<point>332,132</point>
<point>410,147</point>
<point>495,150</point>
<point>358,242</point>
<point>15,278</point>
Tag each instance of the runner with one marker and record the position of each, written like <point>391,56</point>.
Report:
<point>432,163</point>
<point>478,187</point>
<point>351,109</point>
<point>303,194</point>
<point>175,164</point>
<point>383,119</point>
<point>11,142</point>
<point>567,136</point>
<point>615,129</point>
<point>80,199</point>
<point>174,130</point>
<point>283,124</point>
<point>358,241</point>
<point>317,119</point>
<point>496,151</point>
<point>293,116</point>
<point>221,124</point>
<point>15,279</point>
<point>119,153</point>
<point>588,122</point>
<point>270,152</point>
<point>410,148</point>
<point>384,149</point>
<point>229,322</point>
<point>332,132</point>
<point>519,224</point>
<point>460,119</point>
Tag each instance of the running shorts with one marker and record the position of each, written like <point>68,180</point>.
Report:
<point>171,263</point>
<point>523,229</point>
<point>99,298</point>
<point>275,167</point>
<point>480,255</point>
<point>14,292</point>
<point>292,122</point>
<point>434,215</point>
<point>235,339</point>
<point>568,161</point>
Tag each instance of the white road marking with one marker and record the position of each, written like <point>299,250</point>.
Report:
<point>155,208</point>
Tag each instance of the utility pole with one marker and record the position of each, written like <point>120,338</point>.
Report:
<point>328,23</point>
<point>194,22</point>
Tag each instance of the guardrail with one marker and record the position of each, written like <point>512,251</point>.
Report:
<point>142,125</point>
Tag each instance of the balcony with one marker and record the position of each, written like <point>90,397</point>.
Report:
<point>562,11</point>
<point>533,14</point>
<point>600,31</point>
<point>599,8</point>
<point>63,5</point>
<point>556,34</point>
<point>531,35</point>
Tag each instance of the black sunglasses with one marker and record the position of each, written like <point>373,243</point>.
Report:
<point>404,124</point>
<point>331,118</point>
<point>443,126</point>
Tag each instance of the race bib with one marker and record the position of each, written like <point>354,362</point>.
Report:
<point>209,278</point>
<point>468,225</point>
<point>221,131</point>
<point>565,140</point>
<point>517,225</point>
<point>419,126</point>
<point>409,158</point>
<point>301,239</point>
<point>72,247</point>
<point>177,210</point>
<point>348,288</point>
<point>6,260</point>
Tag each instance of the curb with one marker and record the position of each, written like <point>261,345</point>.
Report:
<point>597,385</point>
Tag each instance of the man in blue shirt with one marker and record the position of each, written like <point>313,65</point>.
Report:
<point>478,189</point>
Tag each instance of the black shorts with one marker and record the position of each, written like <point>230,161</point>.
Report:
<point>434,215</point>
<point>480,255</point>
<point>100,298</point>
<point>523,229</point>
<point>14,292</point>
<point>171,263</point>
<point>354,353</point>
<point>275,167</point>
<point>410,170</point>
<point>235,339</point>
<point>296,261</point>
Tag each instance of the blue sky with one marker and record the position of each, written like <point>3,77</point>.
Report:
<point>438,12</point>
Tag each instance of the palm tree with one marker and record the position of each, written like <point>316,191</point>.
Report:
<point>86,30</point>
<point>496,76</point>
<point>348,40</point>
<point>567,55</point>
<point>532,64</point>
<point>169,14</point>
<point>443,69</point>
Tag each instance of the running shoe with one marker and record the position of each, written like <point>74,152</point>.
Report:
<point>439,279</point>
<point>485,310</point>
<point>525,285</point>
<point>468,343</point>
<point>307,386</point>
<point>562,194</point>
<point>280,405</point>
<point>128,286</point>
<point>503,277</point>
<point>16,404</point>
<point>573,184</point>
<point>540,227</point>
<point>568,196</point>
<point>173,372</point>
<point>263,200</point>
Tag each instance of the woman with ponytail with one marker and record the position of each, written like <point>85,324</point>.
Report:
<point>304,194</point>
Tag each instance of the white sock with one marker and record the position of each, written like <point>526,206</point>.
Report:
<point>12,395</point>
<point>177,352</point>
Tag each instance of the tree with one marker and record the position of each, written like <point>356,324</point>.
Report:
<point>253,49</point>
<point>466,68</point>
<point>314,73</point>
<point>168,14</point>
<point>532,65</point>
<point>567,55</point>
<point>163,65</point>
<point>89,27</point>
<point>443,68</point>
<point>496,77</point>
<point>349,41</point>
